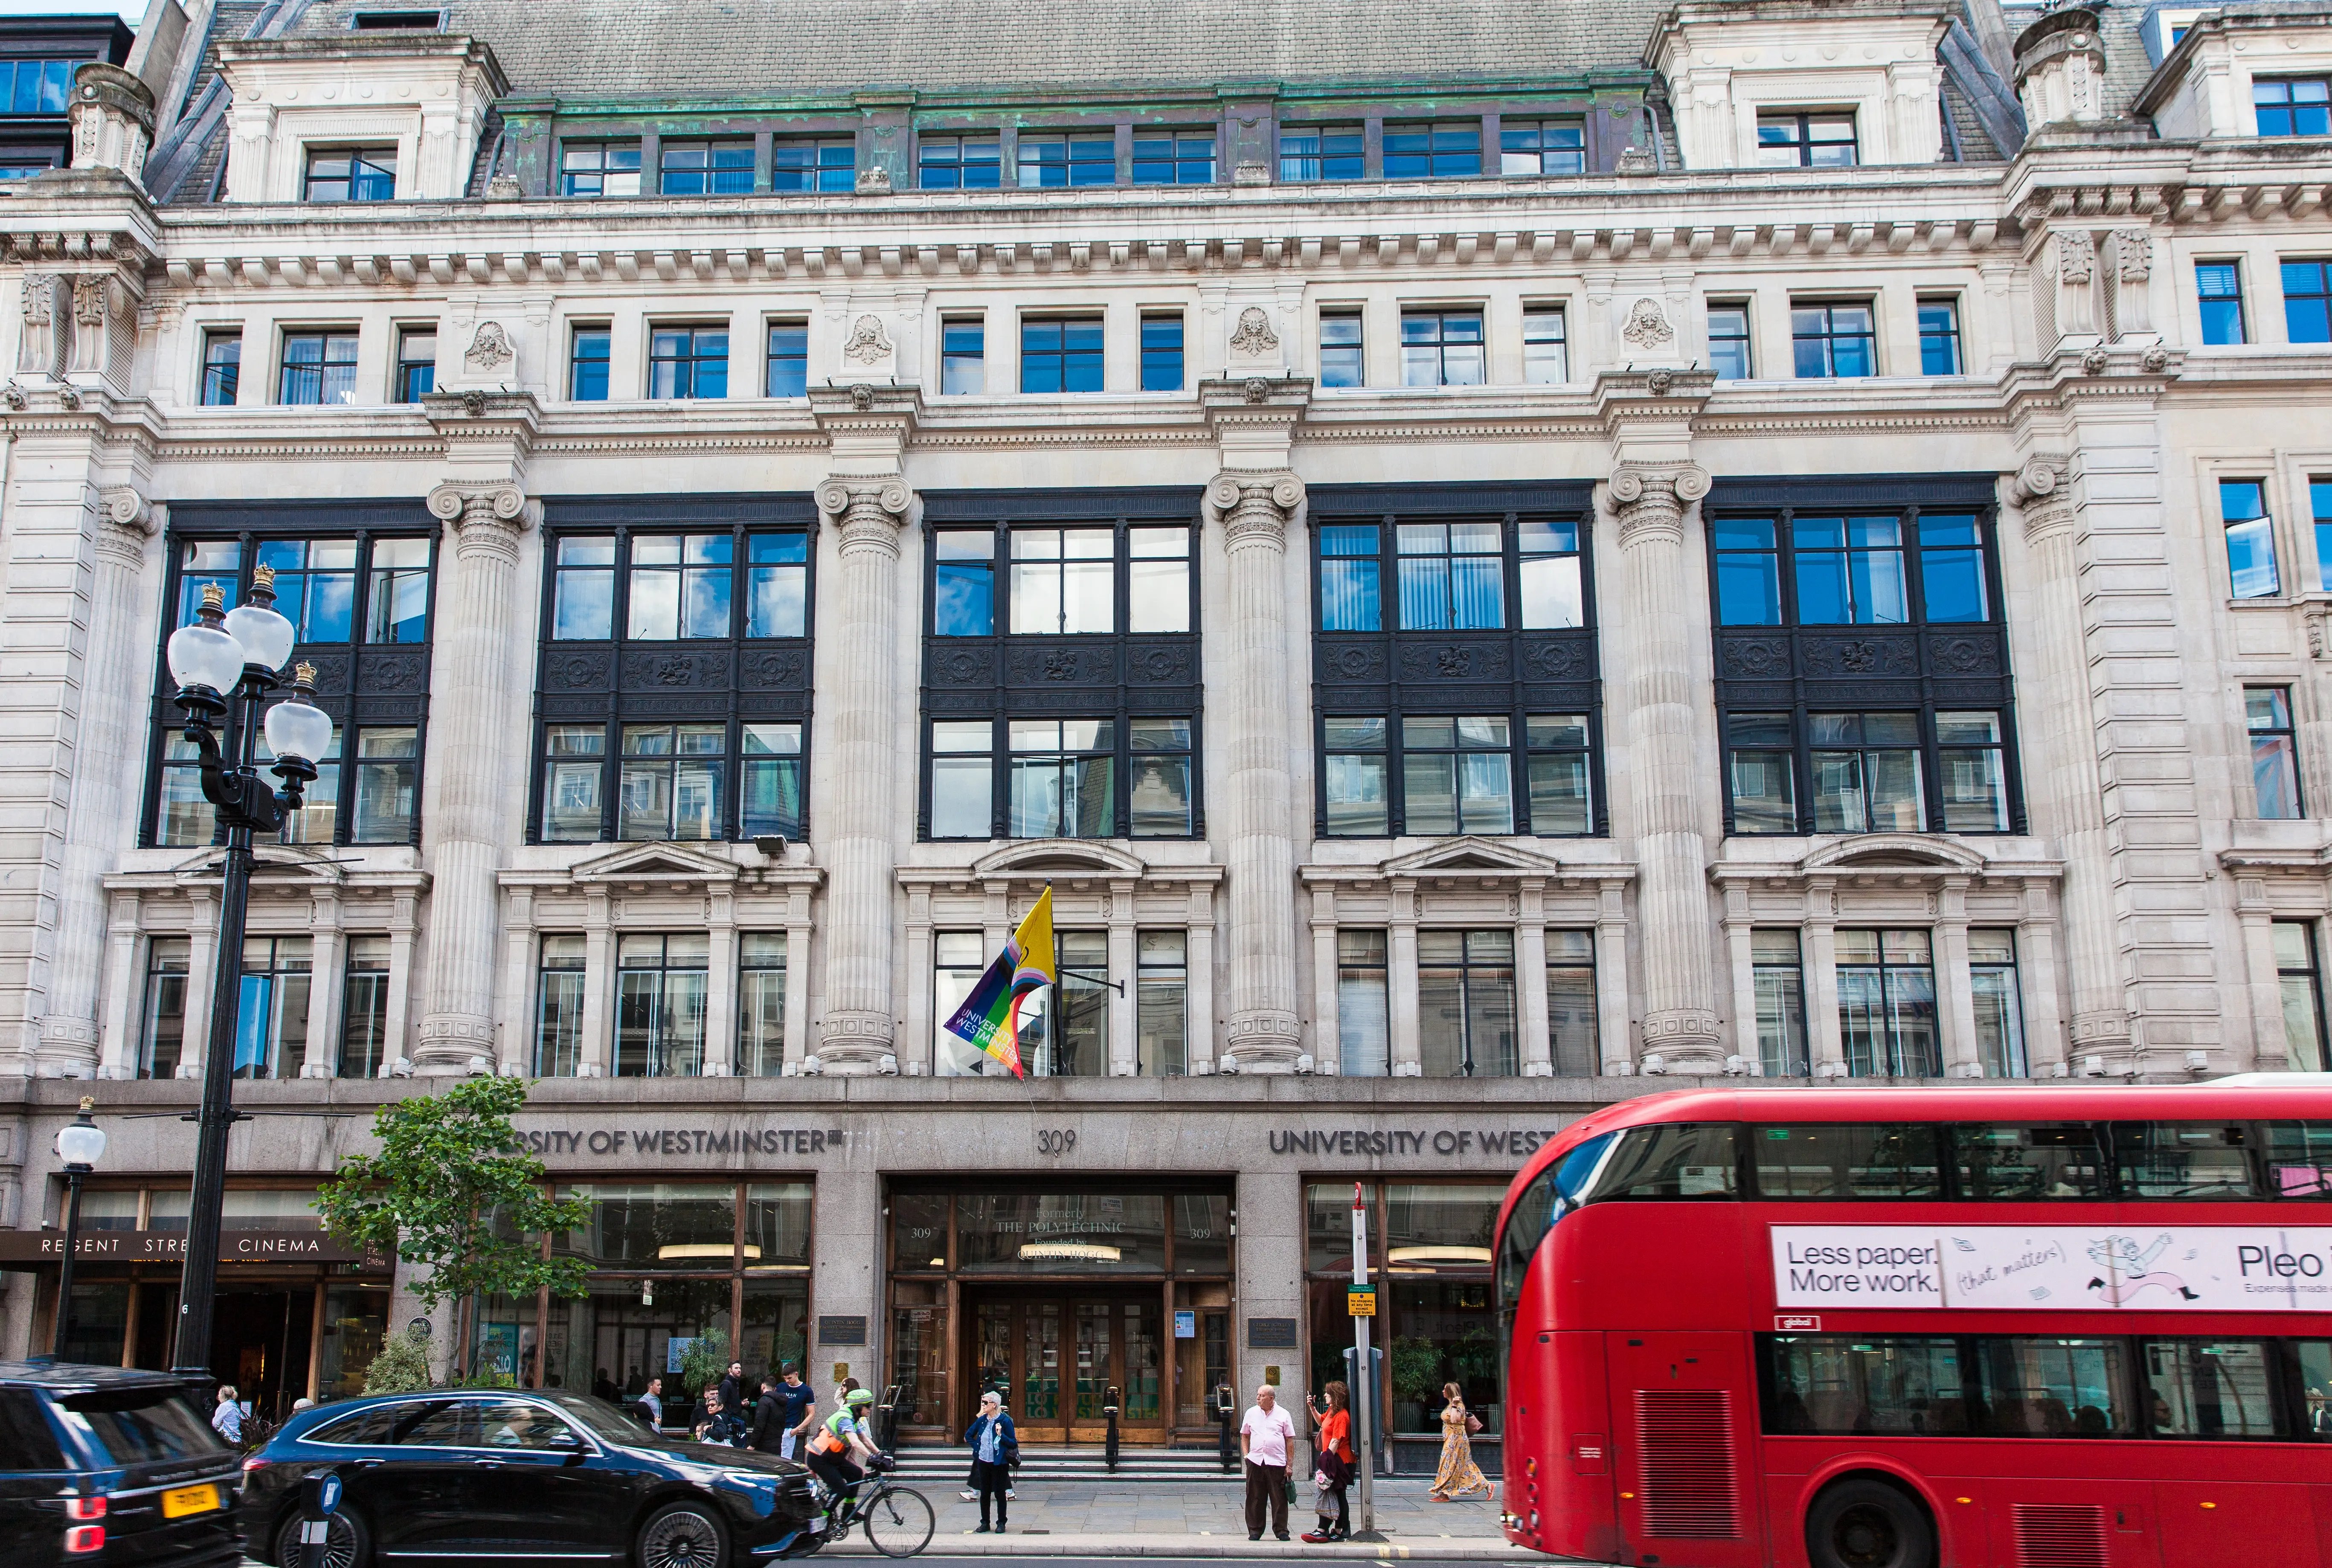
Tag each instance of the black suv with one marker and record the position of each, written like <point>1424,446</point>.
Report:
<point>471,1475</point>
<point>101,1466</point>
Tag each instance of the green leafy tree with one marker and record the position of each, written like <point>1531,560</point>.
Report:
<point>453,1187</point>
<point>704,1359</point>
<point>402,1367</point>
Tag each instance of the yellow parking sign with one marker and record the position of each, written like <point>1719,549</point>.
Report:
<point>1360,1300</point>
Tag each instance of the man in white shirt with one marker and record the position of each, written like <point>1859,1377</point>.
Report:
<point>1266,1436</point>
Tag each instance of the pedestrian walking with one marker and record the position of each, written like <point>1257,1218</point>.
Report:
<point>734,1393</point>
<point>1266,1437</point>
<point>649,1405</point>
<point>1331,1415</point>
<point>226,1416</point>
<point>995,1448</point>
<point>1458,1472</point>
<point>800,1412</point>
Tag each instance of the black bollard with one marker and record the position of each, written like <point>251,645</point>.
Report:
<point>1108,1448</point>
<point>1225,1406</point>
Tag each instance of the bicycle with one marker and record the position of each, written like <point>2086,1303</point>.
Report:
<point>899,1519</point>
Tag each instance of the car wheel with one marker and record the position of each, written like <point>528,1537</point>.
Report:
<point>682,1535</point>
<point>348,1545</point>
<point>1869,1525</point>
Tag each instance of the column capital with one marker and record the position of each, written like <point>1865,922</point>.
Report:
<point>868,510</point>
<point>1254,507</point>
<point>1649,499</point>
<point>486,516</point>
<point>125,521</point>
<point>2038,490</point>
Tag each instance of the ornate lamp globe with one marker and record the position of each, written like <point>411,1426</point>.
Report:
<point>265,636</point>
<point>81,1142</point>
<point>298,731</point>
<point>203,657</point>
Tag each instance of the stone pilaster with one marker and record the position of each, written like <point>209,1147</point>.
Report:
<point>1679,1018</point>
<point>474,717</point>
<point>1253,735</point>
<point>868,512</point>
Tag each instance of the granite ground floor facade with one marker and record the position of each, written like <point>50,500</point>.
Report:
<point>1138,1244</point>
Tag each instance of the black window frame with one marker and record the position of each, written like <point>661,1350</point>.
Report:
<point>955,163</point>
<point>2316,300</point>
<point>603,334</point>
<point>2232,306</point>
<point>1298,165</point>
<point>1457,129</point>
<point>1746,338</point>
<point>327,340</point>
<point>1573,158</point>
<point>1947,335</point>
<point>2287,732</point>
<point>409,368</point>
<point>1929,667</point>
<point>1799,123</point>
<point>1076,173</point>
<point>1063,357</point>
<point>821,173</point>
<point>1183,165</point>
<point>1179,348</point>
<point>1441,342</point>
<point>1830,336</point>
<point>569,179</point>
<point>733,679</point>
<point>363,685</point>
<point>696,361</point>
<point>2290,106</point>
<point>712,171</point>
<point>770,358</point>
<point>222,376</point>
<point>363,170</point>
<point>1359,345</point>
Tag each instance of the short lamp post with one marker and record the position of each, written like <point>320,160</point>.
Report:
<point>80,1145</point>
<point>226,664</point>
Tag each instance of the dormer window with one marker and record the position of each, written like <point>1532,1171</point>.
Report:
<point>1815,140</point>
<point>2293,105</point>
<point>397,21</point>
<point>35,86</point>
<point>350,174</point>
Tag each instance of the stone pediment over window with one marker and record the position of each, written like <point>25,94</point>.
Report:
<point>1059,856</point>
<point>656,863</point>
<point>1893,852</point>
<point>1478,855</point>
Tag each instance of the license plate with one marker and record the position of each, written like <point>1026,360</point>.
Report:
<point>181,1501</point>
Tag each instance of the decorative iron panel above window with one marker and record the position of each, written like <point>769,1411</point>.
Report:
<point>1464,608</point>
<point>355,580</point>
<point>1061,672</point>
<point>1862,673</point>
<point>672,696</point>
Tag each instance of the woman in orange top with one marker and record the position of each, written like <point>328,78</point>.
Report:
<point>1333,1444</point>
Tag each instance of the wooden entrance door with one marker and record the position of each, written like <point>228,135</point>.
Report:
<point>1056,1357</point>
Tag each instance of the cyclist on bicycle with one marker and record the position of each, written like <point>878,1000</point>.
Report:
<point>840,1435</point>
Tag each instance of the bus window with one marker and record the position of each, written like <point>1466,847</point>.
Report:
<point>2061,1160</point>
<point>1845,1384</point>
<point>1669,1161</point>
<point>1837,1159</point>
<point>2183,1159</point>
<point>2315,1356</point>
<point>1535,1212</point>
<point>2055,1388</point>
<point>2297,1158</point>
<point>2199,1387</point>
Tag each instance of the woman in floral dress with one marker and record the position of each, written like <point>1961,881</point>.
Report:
<point>1458,1473</point>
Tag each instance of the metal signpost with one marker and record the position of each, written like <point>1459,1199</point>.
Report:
<point>316,1522</point>
<point>1363,1296</point>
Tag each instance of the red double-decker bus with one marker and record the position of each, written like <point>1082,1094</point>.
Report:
<point>2026,1326</point>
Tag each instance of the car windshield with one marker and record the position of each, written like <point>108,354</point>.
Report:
<point>144,1426</point>
<point>603,1420</point>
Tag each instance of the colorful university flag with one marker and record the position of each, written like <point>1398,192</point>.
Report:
<point>990,1016</point>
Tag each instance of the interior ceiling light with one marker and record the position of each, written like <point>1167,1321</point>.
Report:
<point>1440,1254</point>
<point>682,1249</point>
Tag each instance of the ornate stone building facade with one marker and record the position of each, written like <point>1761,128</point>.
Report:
<point>1492,561</point>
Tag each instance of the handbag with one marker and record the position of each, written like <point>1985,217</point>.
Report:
<point>1473,1423</point>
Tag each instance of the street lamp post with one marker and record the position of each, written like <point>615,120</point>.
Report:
<point>80,1145</point>
<point>226,664</point>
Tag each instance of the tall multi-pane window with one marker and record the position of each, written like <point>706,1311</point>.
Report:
<point>823,164</point>
<point>1939,337</point>
<point>787,363</point>
<point>1355,778</point>
<point>1886,1004</point>
<point>1561,771</point>
<point>574,759</point>
<point>222,368</point>
<point>2307,301</point>
<point>963,598</point>
<point>1442,348</point>
<point>319,367</point>
<point>583,590</point>
<point>1073,1042</point>
<point>2302,985</point>
<point>958,162</point>
<point>417,364</point>
<point>1158,579</point>
<point>1055,161</point>
<point>1833,341</point>
<point>772,785</point>
<point>270,1032</point>
<point>30,87</point>
<point>1541,147</point>
<point>660,1005</point>
<point>1548,574</point>
<point>1064,580</point>
<point>1432,149</point>
<point>679,587</point>
<point>1363,1028</point>
<point>1161,351</point>
<point>688,361</point>
<point>760,1003</point>
<point>1866,773</point>
<point>1999,1011</point>
<point>958,957</point>
<point>2319,510</point>
<point>776,585</point>
<point>1350,577</point>
<point>1465,1017</point>
<point>364,1008</point>
<point>963,778</point>
<point>1777,979</point>
<point>1546,357</point>
<point>1809,140</point>
<point>162,1020</point>
<point>706,167</point>
<point>315,585</point>
<point>559,1007</point>
<point>317,818</point>
<point>587,369</point>
<point>1451,576</point>
<point>1971,764</point>
<point>2219,294</point>
<point>599,168</point>
<point>963,355</point>
<point>1173,158</point>
<point>1310,152</point>
<point>350,174</point>
<point>387,784</point>
<point>1457,775</point>
<point>1342,362</point>
<point>1062,783</point>
<point>1161,1011</point>
<point>2251,539</point>
<point>1728,341</point>
<point>2292,105</point>
<point>1060,354</point>
<point>1571,1002</point>
<point>671,782</point>
<point>1158,778</point>
<point>2275,753</point>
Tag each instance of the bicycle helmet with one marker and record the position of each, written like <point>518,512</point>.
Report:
<point>857,1398</point>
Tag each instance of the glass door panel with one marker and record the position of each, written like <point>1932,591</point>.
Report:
<point>1140,1367</point>
<point>1040,1365</point>
<point>1093,1361</point>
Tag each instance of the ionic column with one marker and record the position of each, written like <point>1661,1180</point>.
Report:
<point>1252,736</point>
<point>1679,1022</point>
<point>1954,989</point>
<point>112,679</point>
<point>1537,1052</point>
<point>472,724</point>
<point>867,513</point>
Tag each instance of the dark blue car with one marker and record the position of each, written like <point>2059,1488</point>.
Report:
<point>474,1476</point>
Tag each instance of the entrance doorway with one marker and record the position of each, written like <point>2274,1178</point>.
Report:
<point>259,1342</point>
<point>1061,1356</point>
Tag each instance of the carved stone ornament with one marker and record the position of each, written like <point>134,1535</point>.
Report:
<point>2096,361</point>
<point>875,181</point>
<point>1658,382</point>
<point>1255,337</point>
<point>88,301</point>
<point>861,398</point>
<point>1255,390</point>
<point>867,511</point>
<point>868,344</point>
<point>38,294</point>
<point>468,503</point>
<point>2039,477</point>
<point>2077,256</point>
<point>473,402</point>
<point>14,395</point>
<point>490,349</point>
<point>2155,359</point>
<point>1255,508</point>
<point>2133,255</point>
<point>1647,325</point>
<point>124,508</point>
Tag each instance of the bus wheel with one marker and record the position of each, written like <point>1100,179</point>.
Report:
<point>1869,1525</point>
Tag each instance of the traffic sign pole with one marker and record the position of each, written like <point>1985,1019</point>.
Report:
<point>316,1521</point>
<point>1364,1394</point>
